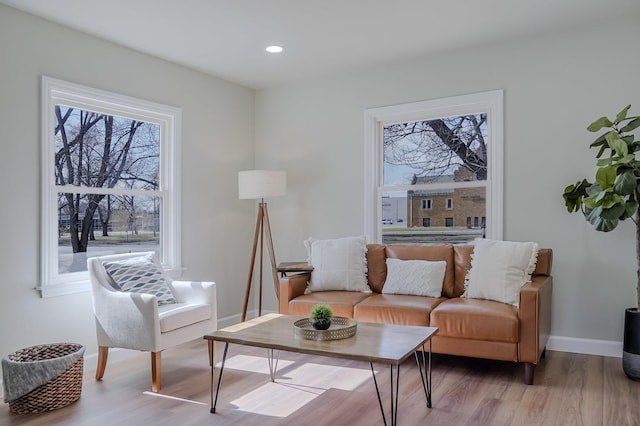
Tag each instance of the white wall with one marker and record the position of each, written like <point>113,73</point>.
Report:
<point>554,86</point>
<point>217,141</point>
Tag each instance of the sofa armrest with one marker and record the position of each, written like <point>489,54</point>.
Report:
<point>289,288</point>
<point>535,318</point>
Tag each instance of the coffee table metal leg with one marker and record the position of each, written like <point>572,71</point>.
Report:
<point>394,407</point>
<point>425,374</point>
<point>273,366</point>
<point>375,382</point>
<point>224,358</point>
<point>394,394</point>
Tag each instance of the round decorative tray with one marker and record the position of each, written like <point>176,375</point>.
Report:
<point>341,328</point>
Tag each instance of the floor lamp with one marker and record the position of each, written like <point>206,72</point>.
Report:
<point>258,185</point>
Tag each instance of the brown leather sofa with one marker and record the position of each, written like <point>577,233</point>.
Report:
<point>466,327</point>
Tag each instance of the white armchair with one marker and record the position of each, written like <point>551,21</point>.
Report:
<point>135,321</point>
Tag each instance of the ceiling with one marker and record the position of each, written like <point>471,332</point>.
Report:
<point>227,38</point>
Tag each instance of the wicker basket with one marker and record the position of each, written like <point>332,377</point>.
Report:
<point>59,392</point>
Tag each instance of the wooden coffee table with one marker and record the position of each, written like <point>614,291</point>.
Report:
<point>383,343</point>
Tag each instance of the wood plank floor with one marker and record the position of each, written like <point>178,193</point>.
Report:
<point>569,389</point>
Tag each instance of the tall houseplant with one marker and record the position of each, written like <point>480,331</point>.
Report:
<point>613,197</point>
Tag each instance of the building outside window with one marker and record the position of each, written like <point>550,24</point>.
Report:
<point>426,204</point>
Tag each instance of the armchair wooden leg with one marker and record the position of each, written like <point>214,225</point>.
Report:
<point>103,352</point>
<point>156,371</point>
<point>212,352</point>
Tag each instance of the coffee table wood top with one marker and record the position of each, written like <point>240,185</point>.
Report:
<point>386,343</point>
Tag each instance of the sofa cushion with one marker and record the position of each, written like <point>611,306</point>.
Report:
<point>414,277</point>
<point>432,253</point>
<point>338,264</point>
<point>396,309</point>
<point>341,302</point>
<point>499,269</point>
<point>462,263</point>
<point>477,319</point>
<point>376,266</point>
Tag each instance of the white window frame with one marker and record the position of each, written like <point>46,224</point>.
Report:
<point>490,102</point>
<point>427,204</point>
<point>59,92</point>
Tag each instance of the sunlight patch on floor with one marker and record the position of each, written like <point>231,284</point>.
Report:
<point>173,398</point>
<point>300,386</point>
<point>254,364</point>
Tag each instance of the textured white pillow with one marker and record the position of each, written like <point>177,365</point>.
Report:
<point>140,275</point>
<point>499,269</point>
<point>415,277</point>
<point>338,264</point>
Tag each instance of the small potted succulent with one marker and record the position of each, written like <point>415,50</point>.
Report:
<point>321,317</point>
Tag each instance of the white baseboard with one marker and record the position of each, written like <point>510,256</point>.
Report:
<point>585,346</point>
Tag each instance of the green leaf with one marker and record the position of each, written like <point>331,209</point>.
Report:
<point>604,162</point>
<point>630,208</point>
<point>595,199</point>
<point>613,212</point>
<point>601,150</point>
<point>573,195</point>
<point>600,223</point>
<point>622,114</point>
<point>632,125</point>
<point>625,183</point>
<point>598,142</point>
<point>593,189</point>
<point>600,196</point>
<point>626,159</point>
<point>617,144</point>
<point>611,199</point>
<point>599,124</point>
<point>606,176</point>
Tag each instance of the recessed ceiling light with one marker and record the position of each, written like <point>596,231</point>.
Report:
<point>274,49</point>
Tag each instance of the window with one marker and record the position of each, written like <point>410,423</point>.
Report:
<point>426,222</point>
<point>475,221</point>
<point>109,181</point>
<point>443,150</point>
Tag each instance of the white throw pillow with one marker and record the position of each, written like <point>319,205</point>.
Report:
<point>140,275</point>
<point>499,269</point>
<point>338,264</point>
<point>414,277</point>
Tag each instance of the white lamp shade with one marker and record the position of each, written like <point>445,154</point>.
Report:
<point>254,184</point>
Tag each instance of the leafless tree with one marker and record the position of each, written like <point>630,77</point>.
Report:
<point>437,147</point>
<point>99,151</point>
